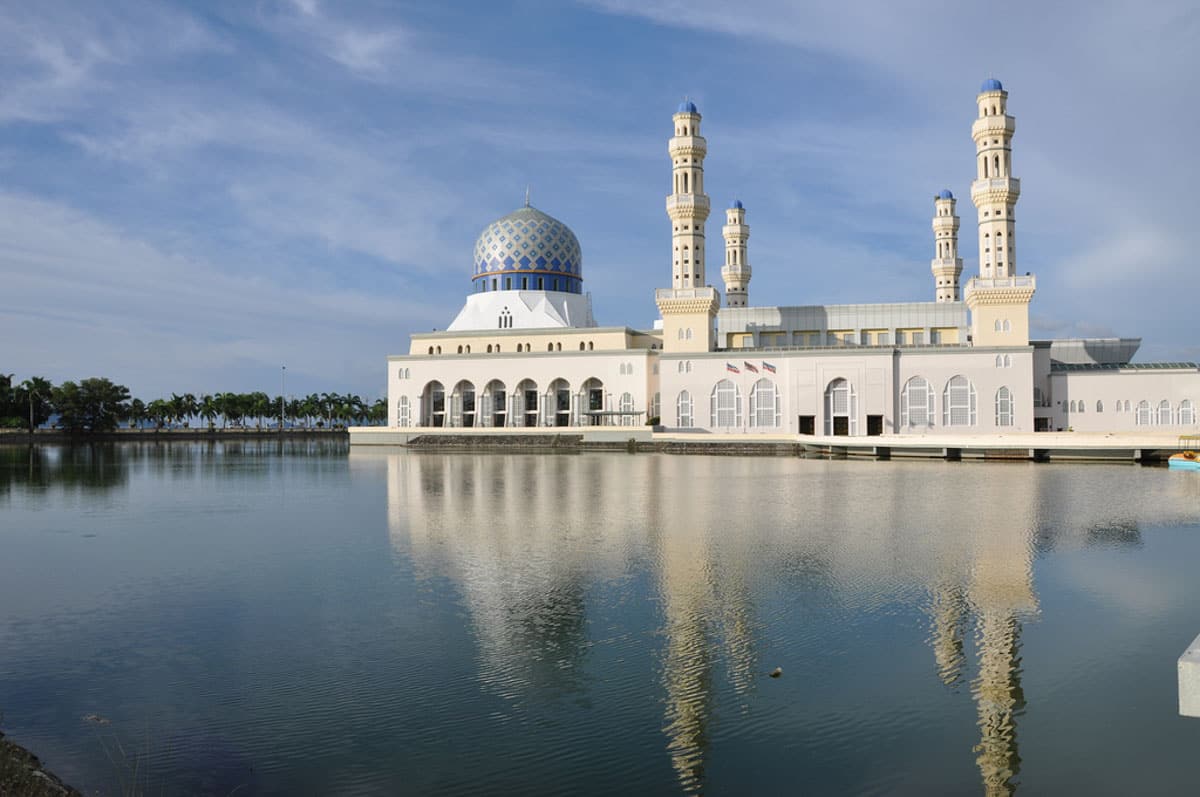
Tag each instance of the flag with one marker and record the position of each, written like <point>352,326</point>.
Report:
<point>731,368</point>
<point>768,367</point>
<point>750,367</point>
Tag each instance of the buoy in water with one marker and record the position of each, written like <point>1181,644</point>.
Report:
<point>775,673</point>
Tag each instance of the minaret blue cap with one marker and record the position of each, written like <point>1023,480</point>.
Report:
<point>945,194</point>
<point>687,106</point>
<point>991,84</point>
<point>736,205</point>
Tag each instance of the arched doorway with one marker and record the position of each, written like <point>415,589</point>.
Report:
<point>462,404</point>
<point>527,403</point>
<point>433,405</point>
<point>592,397</point>
<point>495,404</point>
<point>841,409</point>
<point>559,403</point>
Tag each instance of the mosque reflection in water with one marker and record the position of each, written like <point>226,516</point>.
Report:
<point>521,537</point>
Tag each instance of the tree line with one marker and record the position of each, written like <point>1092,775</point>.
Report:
<point>99,405</point>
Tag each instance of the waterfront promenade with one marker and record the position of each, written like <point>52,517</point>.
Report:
<point>1130,446</point>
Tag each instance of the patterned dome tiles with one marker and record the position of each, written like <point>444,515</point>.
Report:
<point>528,240</point>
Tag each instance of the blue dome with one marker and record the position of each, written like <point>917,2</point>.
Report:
<point>525,246</point>
<point>687,106</point>
<point>991,84</point>
<point>736,205</point>
<point>945,194</point>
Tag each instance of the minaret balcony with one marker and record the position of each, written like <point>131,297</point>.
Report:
<point>1009,187</point>
<point>993,126</point>
<point>688,203</point>
<point>693,146</point>
<point>1007,287</point>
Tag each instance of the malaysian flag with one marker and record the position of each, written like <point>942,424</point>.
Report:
<point>731,368</point>
<point>768,367</point>
<point>750,367</point>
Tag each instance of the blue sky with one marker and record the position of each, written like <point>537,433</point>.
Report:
<point>193,194</point>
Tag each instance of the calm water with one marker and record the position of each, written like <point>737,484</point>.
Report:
<point>301,619</point>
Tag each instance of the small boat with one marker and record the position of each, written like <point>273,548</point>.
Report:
<point>1188,460</point>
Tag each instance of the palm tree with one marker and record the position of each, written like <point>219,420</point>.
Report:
<point>38,391</point>
<point>207,407</point>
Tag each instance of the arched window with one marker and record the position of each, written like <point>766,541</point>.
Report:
<point>460,349</point>
<point>468,348</point>
<point>679,366</point>
<point>1038,400</point>
<point>1127,405</point>
<point>916,403</point>
<point>1187,413</point>
<point>726,405</point>
<point>958,402</point>
<point>1007,325</point>
<point>439,349</point>
<point>582,347</point>
<point>997,324</point>
<point>841,408</point>
<point>1008,361</point>
<point>1144,416</point>
<point>1071,405</point>
<point>683,410</point>
<point>681,333</point>
<point>431,350</point>
<point>689,333</point>
<point>999,361</point>
<point>764,404</point>
<point>558,346</point>
<point>549,347</point>
<point>1164,413</point>
<point>656,405</point>
<point>1082,406</point>
<point>1004,407</point>
<point>403,413</point>
<point>627,418</point>
<point>1099,405</point>
<point>1117,405</point>
<point>590,346</point>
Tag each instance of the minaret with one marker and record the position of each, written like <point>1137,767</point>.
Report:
<point>946,265</point>
<point>689,307</point>
<point>688,204</point>
<point>736,271</point>
<point>999,297</point>
<point>995,191</point>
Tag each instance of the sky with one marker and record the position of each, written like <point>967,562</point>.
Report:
<point>195,195</point>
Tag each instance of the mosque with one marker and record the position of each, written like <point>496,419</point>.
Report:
<point>526,350</point>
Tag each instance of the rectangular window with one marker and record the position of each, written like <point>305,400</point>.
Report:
<point>495,283</point>
<point>935,336</point>
<point>508,283</point>
<point>541,284</point>
<point>918,338</point>
<point>524,283</point>
<point>901,338</point>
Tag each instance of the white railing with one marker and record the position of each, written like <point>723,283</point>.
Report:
<point>684,293</point>
<point>981,283</point>
<point>1011,184</point>
<point>687,201</point>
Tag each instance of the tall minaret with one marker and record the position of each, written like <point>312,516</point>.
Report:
<point>689,307</point>
<point>999,297</point>
<point>736,271</point>
<point>995,191</point>
<point>946,265</point>
<point>688,204</point>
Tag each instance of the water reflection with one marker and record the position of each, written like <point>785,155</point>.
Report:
<point>97,468</point>
<point>523,538</point>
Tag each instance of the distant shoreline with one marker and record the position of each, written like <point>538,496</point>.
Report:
<point>22,437</point>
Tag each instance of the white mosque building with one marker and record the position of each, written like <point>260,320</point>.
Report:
<point>526,351</point>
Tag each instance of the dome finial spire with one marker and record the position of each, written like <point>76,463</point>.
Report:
<point>526,196</point>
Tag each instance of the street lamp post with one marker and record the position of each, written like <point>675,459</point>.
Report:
<point>282,393</point>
